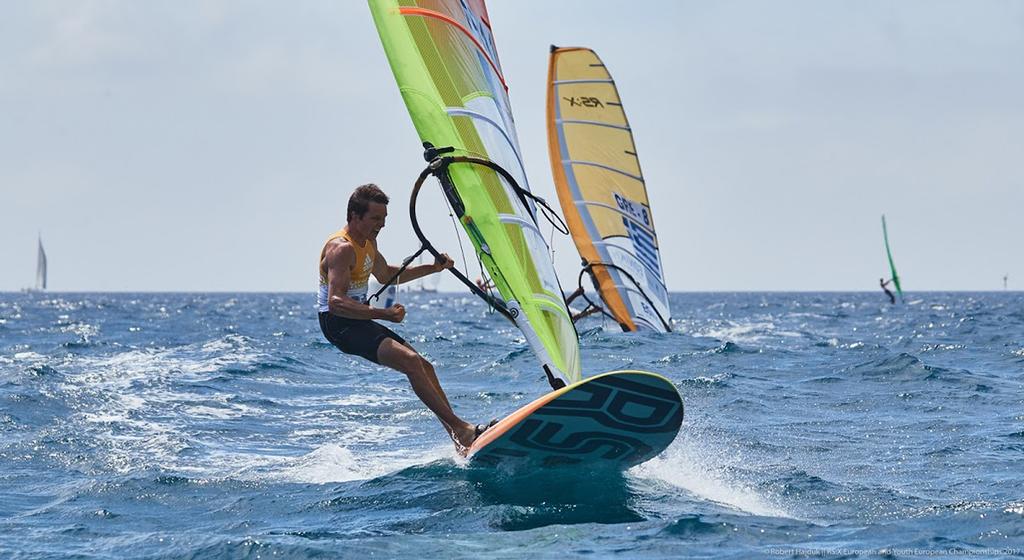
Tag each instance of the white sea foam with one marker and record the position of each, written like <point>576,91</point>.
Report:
<point>716,378</point>
<point>116,392</point>
<point>29,357</point>
<point>350,432</point>
<point>215,406</point>
<point>330,463</point>
<point>367,401</point>
<point>362,432</point>
<point>113,392</point>
<point>744,332</point>
<point>703,469</point>
<point>83,330</point>
<point>336,463</point>
<point>211,412</point>
<point>187,363</point>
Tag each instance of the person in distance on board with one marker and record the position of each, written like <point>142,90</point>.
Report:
<point>347,321</point>
<point>885,286</point>
<point>484,285</point>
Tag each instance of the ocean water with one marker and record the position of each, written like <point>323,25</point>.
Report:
<point>222,426</point>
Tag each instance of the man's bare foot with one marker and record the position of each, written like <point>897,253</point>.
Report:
<point>465,436</point>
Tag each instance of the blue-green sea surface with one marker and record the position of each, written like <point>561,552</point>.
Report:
<point>223,426</point>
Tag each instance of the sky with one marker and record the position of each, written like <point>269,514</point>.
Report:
<point>211,145</point>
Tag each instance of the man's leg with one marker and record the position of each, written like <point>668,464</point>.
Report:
<point>424,383</point>
<point>431,373</point>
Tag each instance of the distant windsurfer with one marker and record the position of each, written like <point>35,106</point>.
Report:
<point>579,291</point>
<point>572,297</point>
<point>484,285</point>
<point>885,286</point>
<point>347,259</point>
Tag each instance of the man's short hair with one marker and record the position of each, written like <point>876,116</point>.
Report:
<point>361,198</point>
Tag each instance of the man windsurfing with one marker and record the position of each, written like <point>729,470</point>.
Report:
<point>347,321</point>
<point>885,286</point>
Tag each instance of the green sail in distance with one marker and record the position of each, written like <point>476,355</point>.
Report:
<point>892,266</point>
<point>444,59</point>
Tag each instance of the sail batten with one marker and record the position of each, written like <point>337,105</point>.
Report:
<point>595,123</point>
<point>566,82</point>
<point>602,190</point>
<point>433,14</point>
<point>605,167</point>
<point>625,216</point>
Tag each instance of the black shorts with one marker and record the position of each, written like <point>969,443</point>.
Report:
<point>361,337</point>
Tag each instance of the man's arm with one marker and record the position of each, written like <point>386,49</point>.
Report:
<point>339,257</point>
<point>383,271</point>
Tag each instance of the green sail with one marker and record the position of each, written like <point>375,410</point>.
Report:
<point>892,266</point>
<point>443,56</point>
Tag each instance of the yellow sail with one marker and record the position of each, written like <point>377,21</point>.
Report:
<point>602,191</point>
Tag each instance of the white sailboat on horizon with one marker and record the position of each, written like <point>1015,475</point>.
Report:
<point>40,285</point>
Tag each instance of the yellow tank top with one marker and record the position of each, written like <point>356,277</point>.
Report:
<point>358,285</point>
